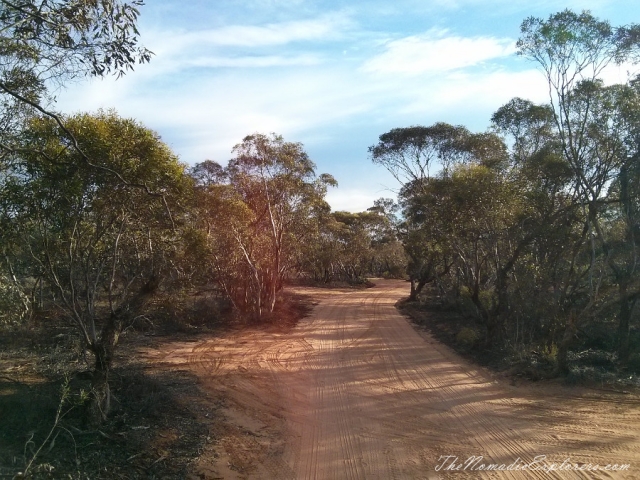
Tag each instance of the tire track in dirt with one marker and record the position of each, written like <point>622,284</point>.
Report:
<point>452,405</point>
<point>436,405</point>
<point>356,392</point>
<point>496,416</point>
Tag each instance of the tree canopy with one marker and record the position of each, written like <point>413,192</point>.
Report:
<point>533,225</point>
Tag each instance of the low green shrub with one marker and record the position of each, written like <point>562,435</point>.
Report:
<point>14,304</point>
<point>467,337</point>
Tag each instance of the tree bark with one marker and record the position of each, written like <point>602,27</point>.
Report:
<point>563,347</point>
<point>416,288</point>
<point>104,349</point>
<point>624,317</point>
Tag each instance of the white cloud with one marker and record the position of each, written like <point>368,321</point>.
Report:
<point>324,28</point>
<point>203,116</point>
<point>613,74</point>
<point>251,61</point>
<point>351,200</point>
<point>203,113</point>
<point>241,46</point>
<point>432,52</point>
<point>476,92</point>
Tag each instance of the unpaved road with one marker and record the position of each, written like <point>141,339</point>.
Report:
<point>355,392</point>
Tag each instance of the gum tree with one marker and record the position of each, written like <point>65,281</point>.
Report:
<point>46,43</point>
<point>411,154</point>
<point>102,246</point>
<point>573,50</point>
<point>257,212</point>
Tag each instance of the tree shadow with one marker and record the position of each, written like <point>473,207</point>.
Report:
<point>154,430</point>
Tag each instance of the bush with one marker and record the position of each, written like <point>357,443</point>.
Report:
<point>14,304</point>
<point>467,337</point>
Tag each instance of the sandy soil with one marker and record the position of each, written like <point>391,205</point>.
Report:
<point>355,391</point>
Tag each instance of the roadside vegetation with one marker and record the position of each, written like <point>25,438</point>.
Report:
<point>530,230</point>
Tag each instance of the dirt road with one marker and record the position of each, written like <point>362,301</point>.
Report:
<point>356,392</point>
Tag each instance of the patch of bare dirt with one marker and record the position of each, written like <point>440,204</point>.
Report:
<point>163,424</point>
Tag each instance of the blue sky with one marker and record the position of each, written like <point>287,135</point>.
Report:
<point>331,74</point>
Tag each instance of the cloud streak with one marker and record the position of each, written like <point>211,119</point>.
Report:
<point>328,27</point>
<point>204,115</point>
<point>433,52</point>
<point>256,61</point>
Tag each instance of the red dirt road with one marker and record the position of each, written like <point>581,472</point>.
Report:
<point>356,392</point>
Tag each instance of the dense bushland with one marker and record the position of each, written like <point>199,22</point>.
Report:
<point>533,228</point>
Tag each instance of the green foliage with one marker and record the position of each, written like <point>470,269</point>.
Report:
<point>467,337</point>
<point>256,216</point>
<point>47,43</point>
<point>14,304</point>
<point>541,238</point>
<point>530,127</point>
<point>68,38</point>
<point>351,246</point>
<point>94,224</point>
<point>409,153</point>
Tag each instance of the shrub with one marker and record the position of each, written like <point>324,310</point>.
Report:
<point>14,304</point>
<point>467,337</point>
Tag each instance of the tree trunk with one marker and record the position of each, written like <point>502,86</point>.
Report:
<point>104,349</point>
<point>489,320</point>
<point>416,288</point>
<point>414,293</point>
<point>100,403</point>
<point>273,293</point>
<point>624,316</point>
<point>563,347</point>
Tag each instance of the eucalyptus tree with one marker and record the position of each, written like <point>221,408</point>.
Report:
<point>530,127</point>
<point>423,232</point>
<point>353,246</point>
<point>413,155</point>
<point>102,246</point>
<point>276,180</point>
<point>573,51</point>
<point>322,253</point>
<point>410,153</point>
<point>62,39</point>
<point>548,276</point>
<point>45,44</point>
<point>469,236</point>
<point>621,235</point>
<point>354,234</point>
<point>389,255</point>
<point>259,211</point>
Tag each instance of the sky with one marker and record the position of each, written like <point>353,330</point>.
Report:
<point>333,75</point>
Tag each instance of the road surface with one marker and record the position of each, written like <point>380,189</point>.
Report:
<point>356,392</point>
